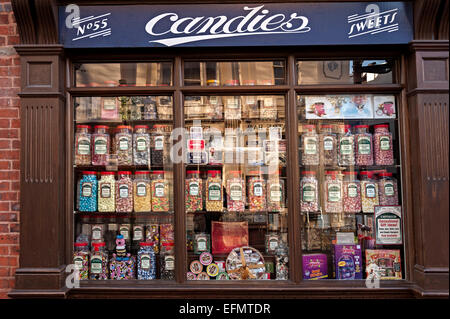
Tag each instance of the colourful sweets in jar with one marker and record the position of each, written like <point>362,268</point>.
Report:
<point>141,145</point>
<point>124,192</point>
<point>81,260</point>
<point>107,192</point>
<point>193,189</point>
<point>387,189</point>
<point>333,192</point>
<point>152,235</point>
<point>141,192</point>
<point>123,145</point>
<point>369,192</point>
<point>167,261</point>
<point>235,192</point>
<point>309,199</point>
<point>352,193</point>
<point>87,192</point>
<point>382,143</point>
<point>214,191</point>
<point>100,145</point>
<point>98,262</point>
<point>364,148</point>
<point>146,262</point>
<point>82,145</point>
<point>160,192</point>
<point>310,146</point>
<point>346,146</point>
<point>256,190</point>
<point>275,192</point>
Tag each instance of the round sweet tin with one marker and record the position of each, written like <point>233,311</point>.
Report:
<point>203,276</point>
<point>206,258</point>
<point>196,267</point>
<point>212,270</point>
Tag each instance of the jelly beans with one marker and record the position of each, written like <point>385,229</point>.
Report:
<point>214,192</point>
<point>193,192</point>
<point>256,190</point>
<point>87,192</point>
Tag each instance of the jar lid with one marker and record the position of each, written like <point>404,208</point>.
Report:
<point>214,172</point>
<point>83,126</point>
<point>308,173</point>
<point>101,126</point>
<point>362,126</point>
<point>142,172</point>
<point>82,244</point>
<point>88,173</point>
<point>385,174</point>
<point>255,172</point>
<point>232,82</point>
<point>100,244</point>
<point>140,126</point>
<point>350,173</point>
<point>309,126</point>
<point>124,173</point>
<point>235,172</point>
<point>124,126</point>
<point>158,172</point>
<point>381,125</point>
<point>366,173</point>
<point>107,173</point>
<point>146,243</point>
<point>332,172</point>
<point>168,244</point>
<point>326,126</point>
<point>192,172</point>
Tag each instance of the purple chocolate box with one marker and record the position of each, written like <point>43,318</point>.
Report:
<point>315,266</point>
<point>348,262</point>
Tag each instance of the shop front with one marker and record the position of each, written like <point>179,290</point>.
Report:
<point>204,150</point>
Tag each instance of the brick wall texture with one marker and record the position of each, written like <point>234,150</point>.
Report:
<point>9,149</point>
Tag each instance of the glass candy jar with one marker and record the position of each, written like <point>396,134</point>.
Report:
<point>87,192</point>
<point>310,146</point>
<point>346,146</point>
<point>123,145</point>
<point>193,191</point>
<point>387,189</point>
<point>333,192</point>
<point>142,192</point>
<point>214,191</point>
<point>369,192</point>
<point>141,145</point>
<point>328,149</point>
<point>100,145</point>
<point>309,199</point>
<point>364,154</point>
<point>167,261</point>
<point>382,144</point>
<point>98,262</point>
<point>82,145</point>
<point>107,192</point>
<point>124,192</point>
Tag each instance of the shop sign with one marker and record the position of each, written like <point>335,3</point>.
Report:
<point>218,25</point>
<point>388,225</point>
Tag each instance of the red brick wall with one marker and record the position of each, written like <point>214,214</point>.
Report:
<point>9,148</point>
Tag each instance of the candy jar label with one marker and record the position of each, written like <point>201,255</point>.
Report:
<point>105,191</point>
<point>86,189</point>
<point>352,190</point>
<point>169,262</point>
<point>328,143</point>
<point>96,264</point>
<point>145,262</point>
<point>141,189</point>
<point>346,146</point>
<point>159,143</point>
<point>109,104</point>
<point>100,145</point>
<point>123,144</point>
<point>193,188</point>
<point>78,262</point>
<point>84,146</point>
<point>214,191</point>
<point>141,144</point>
<point>159,190</point>
<point>236,191</point>
<point>389,189</point>
<point>275,193</point>
<point>258,189</point>
<point>310,145</point>
<point>309,193</point>
<point>370,190</point>
<point>334,193</point>
<point>385,143</point>
<point>364,145</point>
<point>123,191</point>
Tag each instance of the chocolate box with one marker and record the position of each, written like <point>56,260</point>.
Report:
<point>348,262</point>
<point>315,266</point>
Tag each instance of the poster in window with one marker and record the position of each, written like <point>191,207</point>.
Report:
<point>388,225</point>
<point>384,107</point>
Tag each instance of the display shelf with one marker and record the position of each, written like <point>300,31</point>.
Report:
<point>132,215</point>
<point>356,167</point>
<point>118,167</point>
<point>247,120</point>
<point>192,256</point>
<point>123,122</point>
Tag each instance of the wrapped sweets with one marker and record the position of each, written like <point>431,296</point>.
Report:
<point>152,235</point>
<point>141,145</point>
<point>256,189</point>
<point>382,144</point>
<point>160,192</point>
<point>235,192</point>
<point>98,262</point>
<point>146,262</point>
<point>87,192</point>
<point>193,199</point>
<point>100,145</point>
<point>166,234</point>
<point>369,192</point>
<point>352,193</point>
<point>214,191</point>
<point>387,189</point>
<point>346,146</point>
<point>107,192</point>
<point>167,261</point>
<point>363,149</point>
<point>82,145</point>
<point>333,192</point>
<point>309,145</point>
<point>124,192</point>
<point>81,260</point>
<point>275,192</point>
<point>157,141</point>
<point>328,146</point>
<point>309,199</point>
<point>141,192</point>
<point>123,145</point>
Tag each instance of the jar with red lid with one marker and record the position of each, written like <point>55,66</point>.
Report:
<point>352,193</point>
<point>141,145</point>
<point>142,192</point>
<point>328,145</point>
<point>82,145</point>
<point>167,261</point>
<point>107,192</point>
<point>123,145</point>
<point>388,189</point>
<point>364,148</point>
<point>81,259</point>
<point>100,145</point>
<point>214,193</point>
<point>309,146</point>
<point>309,192</point>
<point>235,192</point>
<point>333,192</point>
<point>256,190</point>
<point>98,262</point>
<point>383,148</point>
<point>346,146</point>
<point>369,192</point>
<point>275,192</point>
<point>124,192</point>
<point>193,190</point>
<point>160,192</point>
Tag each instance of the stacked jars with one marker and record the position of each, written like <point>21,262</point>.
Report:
<point>141,191</point>
<point>81,260</point>
<point>309,199</point>
<point>124,192</point>
<point>364,156</point>
<point>100,145</point>
<point>235,192</point>
<point>160,192</point>
<point>123,145</point>
<point>369,192</point>
<point>82,145</point>
<point>387,189</point>
<point>275,192</point>
<point>328,143</point>
<point>87,192</point>
<point>310,146</point>
<point>98,262</point>
<point>256,190</point>
<point>214,191</point>
<point>383,150</point>
<point>141,145</point>
<point>193,192</point>
<point>346,146</point>
<point>106,187</point>
<point>333,192</point>
<point>352,193</point>
<point>167,261</point>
